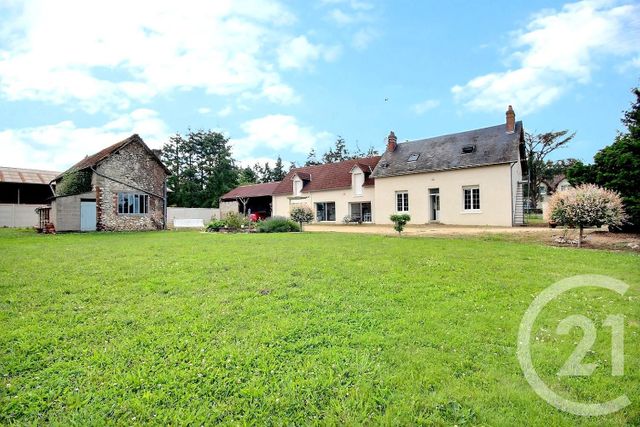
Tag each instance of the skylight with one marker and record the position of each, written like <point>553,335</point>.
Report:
<point>468,149</point>
<point>413,157</point>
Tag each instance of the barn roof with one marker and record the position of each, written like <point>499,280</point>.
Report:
<point>487,146</point>
<point>251,190</point>
<point>94,159</point>
<point>26,176</point>
<point>329,176</point>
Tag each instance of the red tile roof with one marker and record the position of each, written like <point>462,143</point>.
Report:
<point>327,177</point>
<point>252,190</point>
<point>96,158</point>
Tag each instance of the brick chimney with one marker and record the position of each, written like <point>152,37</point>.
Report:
<point>392,142</point>
<point>511,120</point>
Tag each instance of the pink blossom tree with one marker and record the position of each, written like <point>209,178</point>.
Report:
<point>586,206</point>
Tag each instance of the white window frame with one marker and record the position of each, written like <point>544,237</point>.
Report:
<point>404,204</point>
<point>357,177</point>
<point>326,204</point>
<point>297,186</point>
<point>137,204</point>
<point>473,208</point>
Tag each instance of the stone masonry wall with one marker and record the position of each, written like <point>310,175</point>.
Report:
<point>132,165</point>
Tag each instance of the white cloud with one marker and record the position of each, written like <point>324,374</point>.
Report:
<point>226,111</point>
<point>556,50</point>
<point>204,110</point>
<point>424,106</point>
<point>300,53</point>
<point>363,37</point>
<point>106,55</point>
<point>58,146</point>
<point>277,132</point>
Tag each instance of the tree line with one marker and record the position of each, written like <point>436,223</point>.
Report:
<point>203,168</point>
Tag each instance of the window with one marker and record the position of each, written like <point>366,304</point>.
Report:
<point>297,186</point>
<point>468,149</point>
<point>413,157</point>
<point>542,190</point>
<point>357,182</point>
<point>325,211</point>
<point>565,187</point>
<point>132,203</point>
<point>360,212</point>
<point>402,201</point>
<point>471,198</point>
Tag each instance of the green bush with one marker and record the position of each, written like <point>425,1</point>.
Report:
<point>235,221</point>
<point>74,182</point>
<point>216,225</point>
<point>399,221</point>
<point>277,224</point>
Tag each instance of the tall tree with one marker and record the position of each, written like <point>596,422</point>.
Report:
<point>202,168</point>
<point>267,173</point>
<point>312,159</point>
<point>617,166</point>
<point>538,147</point>
<point>278,172</point>
<point>338,153</point>
<point>247,176</point>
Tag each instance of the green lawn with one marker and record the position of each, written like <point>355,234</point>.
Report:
<point>186,327</point>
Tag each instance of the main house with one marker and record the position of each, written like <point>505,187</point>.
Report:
<point>468,178</point>
<point>122,187</point>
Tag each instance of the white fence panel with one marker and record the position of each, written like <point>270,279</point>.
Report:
<point>204,214</point>
<point>18,216</point>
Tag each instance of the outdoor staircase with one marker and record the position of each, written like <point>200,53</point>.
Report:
<point>518,215</point>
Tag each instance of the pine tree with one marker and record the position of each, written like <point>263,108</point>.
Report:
<point>278,172</point>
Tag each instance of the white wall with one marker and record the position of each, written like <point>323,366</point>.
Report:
<point>14,215</point>
<point>495,196</point>
<point>342,198</point>
<point>206,214</point>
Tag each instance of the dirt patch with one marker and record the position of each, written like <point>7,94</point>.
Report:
<point>596,238</point>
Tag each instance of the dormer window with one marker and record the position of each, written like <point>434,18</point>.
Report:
<point>357,180</point>
<point>297,186</point>
<point>467,149</point>
<point>413,157</point>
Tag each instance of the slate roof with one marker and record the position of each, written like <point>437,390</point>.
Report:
<point>26,176</point>
<point>94,159</point>
<point>330,176</point>
<point>252,190</point>
<point>493,145</point>
<point>552,184</point>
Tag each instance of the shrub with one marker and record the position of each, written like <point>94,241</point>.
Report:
<point>301,214</point>
<point>235,221</point>
<point>586,206</point>
<point>277,224</point>
<point>215,225</point>
<point>399,221</point>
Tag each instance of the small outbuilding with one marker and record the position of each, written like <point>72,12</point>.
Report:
<point>249,199</point>
<point>122,187</point>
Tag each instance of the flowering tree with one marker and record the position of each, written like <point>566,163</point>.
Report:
<point>301,214</point>
<point>586,206</point>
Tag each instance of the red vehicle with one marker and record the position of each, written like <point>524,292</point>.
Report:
<point>257,216</point>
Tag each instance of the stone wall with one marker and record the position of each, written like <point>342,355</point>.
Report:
<point>137,170</point>
<point>230,206</point>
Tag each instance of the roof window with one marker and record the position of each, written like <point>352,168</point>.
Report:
<point>468,149</point>
<point>413,157</point>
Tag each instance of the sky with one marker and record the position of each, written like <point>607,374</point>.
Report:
<point>280,78</point>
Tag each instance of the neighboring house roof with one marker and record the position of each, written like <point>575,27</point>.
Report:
<point>492,145</point>
<point>552,184</point>
<point>95,159</point>
<point>329,176</point>
<point>26,176</point>
<point>251,190</point>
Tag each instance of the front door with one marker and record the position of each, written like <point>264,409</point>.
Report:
<point>434,204</point>
<point>87,215</point>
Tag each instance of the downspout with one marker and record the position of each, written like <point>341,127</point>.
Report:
<point>513,202</point>
<point>165,215</point>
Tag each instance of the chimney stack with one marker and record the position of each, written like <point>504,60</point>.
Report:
<point>511,120</point>
<point>392,142</point>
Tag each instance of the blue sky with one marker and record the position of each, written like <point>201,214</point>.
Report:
<point>280,78</point>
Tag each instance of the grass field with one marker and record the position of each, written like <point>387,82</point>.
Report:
<point>312,328</point>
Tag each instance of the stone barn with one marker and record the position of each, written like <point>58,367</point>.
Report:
<point>120,188</point>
